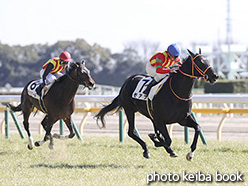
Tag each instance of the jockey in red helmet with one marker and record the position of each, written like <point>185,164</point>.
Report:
<point>161,63</point>
<point>51,70</point>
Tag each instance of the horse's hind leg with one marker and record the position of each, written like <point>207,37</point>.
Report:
<point>132,133</point>
<point>46,123</point>
<point>26,114</point>
<point>69,126</point>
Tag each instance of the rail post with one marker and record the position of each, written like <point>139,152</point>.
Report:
<point>61,127</point>
<point>6,113</point>
<point>121,128</point>
<point>17,124</point>
<point>76,130</point>
<point>186,135</point>
<point>204,141</point>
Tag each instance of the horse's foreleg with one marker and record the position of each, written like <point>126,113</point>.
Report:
<point>163,135</point>
<point>69,126</point>
<point>132,133</point>
<point>190,122</point>
<point>51,144</point>
<point>163,139</point>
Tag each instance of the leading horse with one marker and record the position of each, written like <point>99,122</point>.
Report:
<point>59,102</point>
<point>172,104</point>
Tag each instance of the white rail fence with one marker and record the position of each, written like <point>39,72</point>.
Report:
<point>222,104</point>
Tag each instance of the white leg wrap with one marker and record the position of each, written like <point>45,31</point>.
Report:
<point>31,142</point>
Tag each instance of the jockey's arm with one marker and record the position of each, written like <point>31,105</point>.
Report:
<point>159,68</point>
<point>49,67</point>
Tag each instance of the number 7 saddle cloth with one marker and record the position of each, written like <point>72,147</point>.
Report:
<point>141,86</point>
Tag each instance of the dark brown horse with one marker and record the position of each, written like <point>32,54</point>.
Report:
<point>172,104</point>
<point>58,102</point>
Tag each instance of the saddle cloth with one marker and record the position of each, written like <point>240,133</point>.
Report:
<point>141,86</point>
<point>34,85</point>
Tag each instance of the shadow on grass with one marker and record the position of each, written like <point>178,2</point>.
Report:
<point>4,153</point>
<point>84,166</point>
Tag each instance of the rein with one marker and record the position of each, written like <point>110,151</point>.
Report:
<point>194,66</point>
<point>75,80</point>
<point>184,99</point>
<point>71,78</point>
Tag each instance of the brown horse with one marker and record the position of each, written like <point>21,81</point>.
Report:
<point>58,102</point>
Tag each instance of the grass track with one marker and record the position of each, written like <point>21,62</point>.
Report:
<point>105,161</point>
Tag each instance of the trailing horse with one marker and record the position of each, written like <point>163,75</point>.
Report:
<point>172,104</point>
<point>58,103</point>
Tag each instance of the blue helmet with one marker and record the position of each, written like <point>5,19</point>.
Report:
<point>174,50</point>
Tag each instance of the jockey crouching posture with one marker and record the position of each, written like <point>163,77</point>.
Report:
<point>51,70</point>
<point>161,64</point>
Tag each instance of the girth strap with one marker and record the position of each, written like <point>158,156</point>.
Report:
<point>149,108</point>
<point>42,105</point>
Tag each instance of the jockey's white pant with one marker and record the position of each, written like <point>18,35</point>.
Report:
<point>152,72</point>
<point>50,77</point>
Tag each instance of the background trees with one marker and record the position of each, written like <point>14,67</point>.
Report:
<point>20,64</point>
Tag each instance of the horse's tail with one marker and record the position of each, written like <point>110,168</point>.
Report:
<point>12,107</point>
<point>112,106</point>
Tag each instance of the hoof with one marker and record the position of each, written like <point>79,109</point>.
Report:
<point>71,135</point>
<point>146,155</point>
<point>189,156</point>
<point>152,136</point>
<point>173,155</point>
<point>30,147</point>
<point>57,136</point>
<point>50,146</point>
<point>36,144</point>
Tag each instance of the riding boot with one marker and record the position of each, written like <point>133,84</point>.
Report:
<point>148,88</point>
<point>38,89</point>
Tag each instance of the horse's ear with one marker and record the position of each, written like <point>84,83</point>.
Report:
<point>199,50</point>
<point>191,53</point>
<point>83,62</point>
<point>74,65</point>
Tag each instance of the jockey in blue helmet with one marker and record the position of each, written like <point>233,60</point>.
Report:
<point>160,64</point>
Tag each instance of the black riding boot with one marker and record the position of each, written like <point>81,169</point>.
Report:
<point>38,89</point>
<point>148,88</point>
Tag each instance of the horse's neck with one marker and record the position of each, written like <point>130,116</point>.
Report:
<point>69,88</point>
<point>182,84</point>
<point>185,83</point>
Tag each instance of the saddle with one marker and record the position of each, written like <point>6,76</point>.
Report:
<point>33,86</point>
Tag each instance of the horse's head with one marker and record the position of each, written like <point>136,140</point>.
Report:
<point>79,73</point>
<point>200,68</point>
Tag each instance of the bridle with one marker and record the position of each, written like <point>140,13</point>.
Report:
<point>77,80</point>
<point>201,72</point>
<point>195,66</point>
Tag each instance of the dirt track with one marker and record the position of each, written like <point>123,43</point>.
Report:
<point>235,128</point>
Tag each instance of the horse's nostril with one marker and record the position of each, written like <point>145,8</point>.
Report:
<point>206,76</point>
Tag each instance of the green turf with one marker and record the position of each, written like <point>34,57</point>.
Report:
<point>105,161</point>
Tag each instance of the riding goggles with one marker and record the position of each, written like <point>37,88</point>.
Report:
<point>64,62</point>
<point>173,57</point>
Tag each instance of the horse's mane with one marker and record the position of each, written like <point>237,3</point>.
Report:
<point>68,70</point>
<point>185,59</point>
<point>61,79</point>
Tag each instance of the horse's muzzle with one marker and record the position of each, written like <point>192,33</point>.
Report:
<point>91,84</point>
<point>213,79</point>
